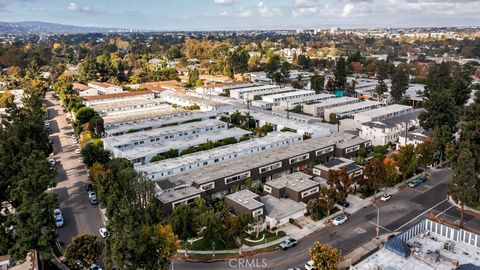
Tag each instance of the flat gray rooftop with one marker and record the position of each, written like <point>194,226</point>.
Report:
<point>230,167</point>
<point>384,110</point>
<point>139,103</point>
<point>156,112</point>
<point>159,132</point>
<point>353,106</point>
<point>184,142</point>
<point>352,142</point>
<point>238,148</point>
<point>297,181</point>
<point>178,194</point>
<point>391,122</point>
<point>281,208</point>
<point>334,163</point>
<point>246,198</point>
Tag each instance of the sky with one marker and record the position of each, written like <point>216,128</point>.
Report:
<point>244,14</point>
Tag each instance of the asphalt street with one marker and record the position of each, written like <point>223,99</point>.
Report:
<point>404,210</point>
<point>80,216</point>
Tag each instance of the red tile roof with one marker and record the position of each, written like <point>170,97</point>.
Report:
<point>119,95</point>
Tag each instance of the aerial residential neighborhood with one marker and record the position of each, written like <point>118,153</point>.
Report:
<point>274,135</point>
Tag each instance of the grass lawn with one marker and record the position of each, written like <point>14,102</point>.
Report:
<point>269,238</point>
<point>203,244</point>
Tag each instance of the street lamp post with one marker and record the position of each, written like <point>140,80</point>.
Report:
<point>378,220</point>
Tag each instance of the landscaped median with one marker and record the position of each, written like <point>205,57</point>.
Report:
<point>272,242</point>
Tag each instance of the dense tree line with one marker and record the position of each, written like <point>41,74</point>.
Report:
<point>25,176</point>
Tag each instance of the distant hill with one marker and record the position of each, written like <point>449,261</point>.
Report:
<point>49,28</point>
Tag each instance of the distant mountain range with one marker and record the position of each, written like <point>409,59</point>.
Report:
<point>50,28</point>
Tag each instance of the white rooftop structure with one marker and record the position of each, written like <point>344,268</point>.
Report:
<point>240,93</point>
<point>275,99</point>
<point>127,122</point>
<point>205,104</point>
<point>306,100</point>
<point>246,198</point>
<point>170,167</point>
<point>317,109</point>
<point>163,134</point>
<point>350,109</point>
<point>127,105</point>
<point>382,113</point>
<point>143,154</point>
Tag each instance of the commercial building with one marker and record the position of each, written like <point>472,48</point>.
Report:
<point>428,245</point>
<point>347,111</point>
<point>381,113</point>
<point>175,166</point>
<point>275,99</point>
<point>246,202</point>
<point>353,170</point>
<point>127,121</point>
<point>389,130</point>
<point>297,186</point>
<point>317,109</point>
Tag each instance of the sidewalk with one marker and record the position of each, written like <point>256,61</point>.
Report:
<point>244,248</point>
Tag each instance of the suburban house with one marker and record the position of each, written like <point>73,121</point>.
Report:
<point>105,88</point>
<point>297,186</point>
<point>353,170</point>
<point>246,202</point>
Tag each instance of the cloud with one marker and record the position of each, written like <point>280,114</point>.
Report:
<point>245,13</point>
<point>263,10</point>
<point>347,9</point>
<point>224,14</point>
<point>223,2</point>
<point>74,7</point>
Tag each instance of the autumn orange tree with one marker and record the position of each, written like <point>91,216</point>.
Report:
<point>324,257</point>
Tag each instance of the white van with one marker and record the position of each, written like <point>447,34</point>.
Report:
<point>309,265</point>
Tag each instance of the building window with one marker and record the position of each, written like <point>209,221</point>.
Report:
<point>368,144</point>
<point>270,167</point>
<point>257,212</point>
<point>235,178</point>
<point>324,151</point>
<point>310,192</point>
<point>208,186</point>
<point>352,149</point>
<point>267,189</point>
<point>299,158</point>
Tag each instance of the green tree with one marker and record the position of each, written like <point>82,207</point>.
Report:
<point>85,248</point>
<point>88,69</point>
<point>399,84</point>
<point>317,83</point>
<point>184,222</point>
<point>375,175</point>
<point>193,76</point>
<point>425,154</point>
<point>406,160</point>
<point>324,257</point>
<point>442,136</point>
<point>84,115</point>
<point>96,126</point>
<point>440,110</point>
<point>272,66</point>
<point>214,230</point>
<point>285,71</point>
<point>340,74</point>
<point>465,186</point>
<point>93,152</point>
<point>161,245</point>
<point>342,183</point>
<point>173,53</point>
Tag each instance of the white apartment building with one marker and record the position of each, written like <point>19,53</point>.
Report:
<point>388,131</point>
<point>105,88</point>
<point>167,168</point>
<point>347,111</point>
<point>381,113</point>
<point>189,100</point>
<point>317,109</point>
<point>171,133</point>
<point>253,90</point>
<point>305,100</point>
<point>222,88</point>
<point>127,105</point>
<point>277,98</point>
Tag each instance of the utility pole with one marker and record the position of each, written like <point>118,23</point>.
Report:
<point>378,221</point>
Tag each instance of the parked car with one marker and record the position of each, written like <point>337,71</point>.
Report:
<point>93,197</point>
<point>386,197</point>
<point>417,181</point>
<point>309,265</point>
<point>75,141</point>
<point>89,187</point>
<point>95,267</point>
<point>294,268</point>
<point>59,221</point>
<point>288,243</point>
<point>52,162</point>
<point>104,233</point>
<point>77,151</point>
<point>340,219</point>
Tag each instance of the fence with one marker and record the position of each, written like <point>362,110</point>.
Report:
<point>451,233</point>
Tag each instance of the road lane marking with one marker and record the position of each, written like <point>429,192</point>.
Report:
<point>423,213</point>
<point>444,211</point>
<point>375,224</point>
